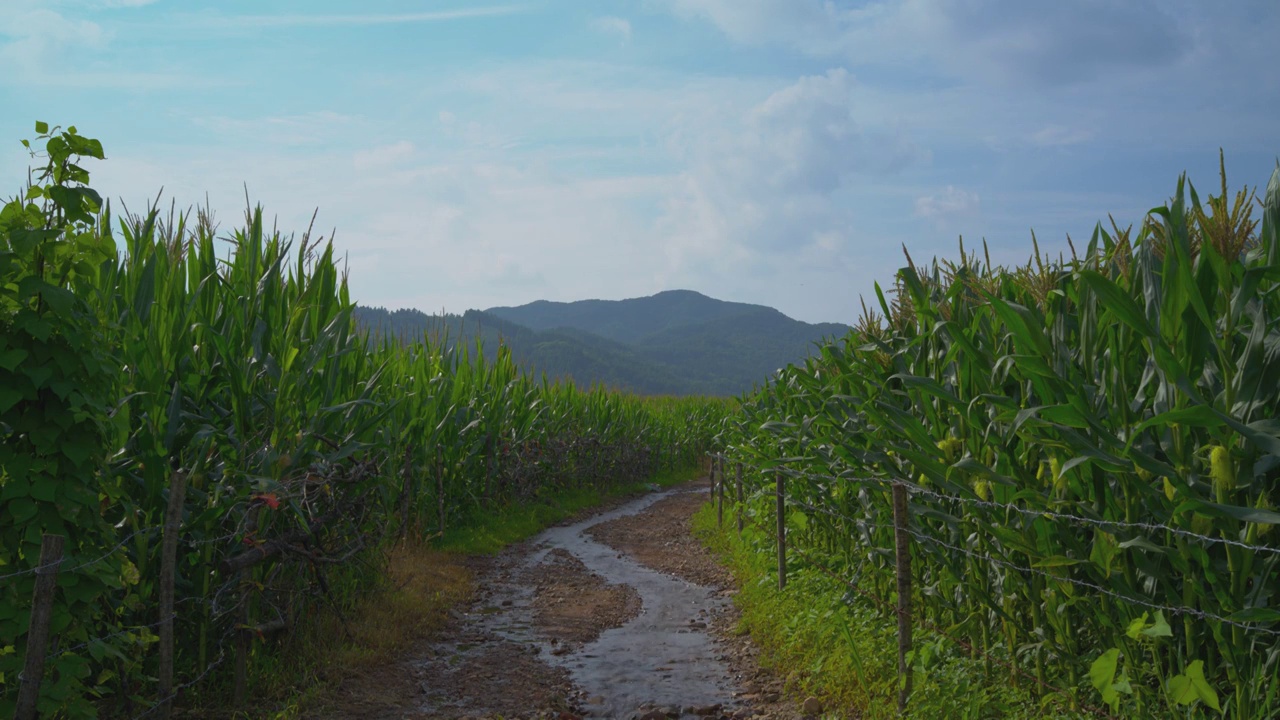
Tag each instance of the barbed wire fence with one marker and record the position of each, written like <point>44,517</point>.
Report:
<point>221,602</point>
<point>906,495</point>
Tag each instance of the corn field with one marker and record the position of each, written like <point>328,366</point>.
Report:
<point>134,350</point>
<point>1091,448</point>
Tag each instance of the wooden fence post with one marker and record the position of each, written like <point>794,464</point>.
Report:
<point>242,616</point>
<point>440,487</point>
<point>901,536</point>
<point>168,561</point>
<point>738,472</point>
<point>711,465</point>
<point>244,640</point>
<point>38,632</point>
<point>406,490</point>
<point>782,530</point>
<point>720,497</point>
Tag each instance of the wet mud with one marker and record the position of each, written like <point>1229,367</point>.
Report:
<point>661,657</point>
<point>619,614</point>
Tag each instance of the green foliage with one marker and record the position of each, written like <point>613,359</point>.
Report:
<point>306,445</point>
<point>486,533</point>
<point>673,343</point>
<point>56,383</point>
<point>1085,441</point>
<point>832,643</point>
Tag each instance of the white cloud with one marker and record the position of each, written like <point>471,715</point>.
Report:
<point>111,4</point>
<point>784,22</point>
<point>1007,69</point>
<point>1004,40</point>
<point>616,26</point>
<point>384,155</point>
<point>42,47</point>
<point>307,128</point>
<point>474,134</point>
<point>37,36</point>
<point>769,181</point>
<point>424,228</point>
<point>1061,135</point>
<point>304,20</point>
<point>951,201</point>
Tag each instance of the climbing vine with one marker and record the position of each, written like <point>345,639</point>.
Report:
<point>56,379</point>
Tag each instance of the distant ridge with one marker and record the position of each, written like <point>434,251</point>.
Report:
<point>626,321</point>
<point>675,342</point>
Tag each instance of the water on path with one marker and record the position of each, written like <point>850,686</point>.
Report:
<point>663,657</point>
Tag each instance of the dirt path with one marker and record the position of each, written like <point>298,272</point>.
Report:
<point>619,615</point>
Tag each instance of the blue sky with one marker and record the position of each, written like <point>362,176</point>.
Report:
<point>472,154</point>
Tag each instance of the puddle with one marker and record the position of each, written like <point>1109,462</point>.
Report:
<point>663,657</point>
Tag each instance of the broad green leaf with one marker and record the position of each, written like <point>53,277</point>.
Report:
<point>1136,626</point>
<point>1103,670</point>
<point>1191,686</point>
<point>1158,627</point>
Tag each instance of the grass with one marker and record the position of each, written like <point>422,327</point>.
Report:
<point>420,586</point>
<point>486,534</point>
<point>833,645</point>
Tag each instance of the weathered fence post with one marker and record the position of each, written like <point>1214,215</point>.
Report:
<point>440,487</point>
<point>738,472</point>
<point>711,465</point>
<point>782,530</point>
<point>406,490</point>
<point>38,632</point>
<point>244,643</point>
<point>901,536</point>
<point>720,497</point>
<point>168,561</point>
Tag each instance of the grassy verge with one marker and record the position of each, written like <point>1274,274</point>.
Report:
<point>421,582</point>
<point>833,644</point>
<point>487,534</point>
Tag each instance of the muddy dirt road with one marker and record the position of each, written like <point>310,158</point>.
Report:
<point>619,615</point>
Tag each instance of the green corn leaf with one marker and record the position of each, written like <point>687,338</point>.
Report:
<point>1117,302</point>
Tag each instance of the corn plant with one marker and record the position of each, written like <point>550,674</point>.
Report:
<point>232,358</point>
<point>1092,450</point>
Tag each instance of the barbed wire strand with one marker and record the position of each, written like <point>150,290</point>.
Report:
<point>916,489</point>
<point>1172,609</point>
<point>222,656</point>
<point>1177,610</point>
<point>85,564</point>
<point>104,638</point>
<point>924,622</point>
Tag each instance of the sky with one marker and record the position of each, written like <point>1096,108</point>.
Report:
<point>781,152</point>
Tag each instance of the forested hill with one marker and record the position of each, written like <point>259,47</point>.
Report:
<point>677,342</point>
<point>626,321</point>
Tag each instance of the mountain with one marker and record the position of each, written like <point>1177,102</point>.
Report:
<point>625,321</point>
<point>731,354</point>
<point>560,353</point>
<point>677,342</point>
